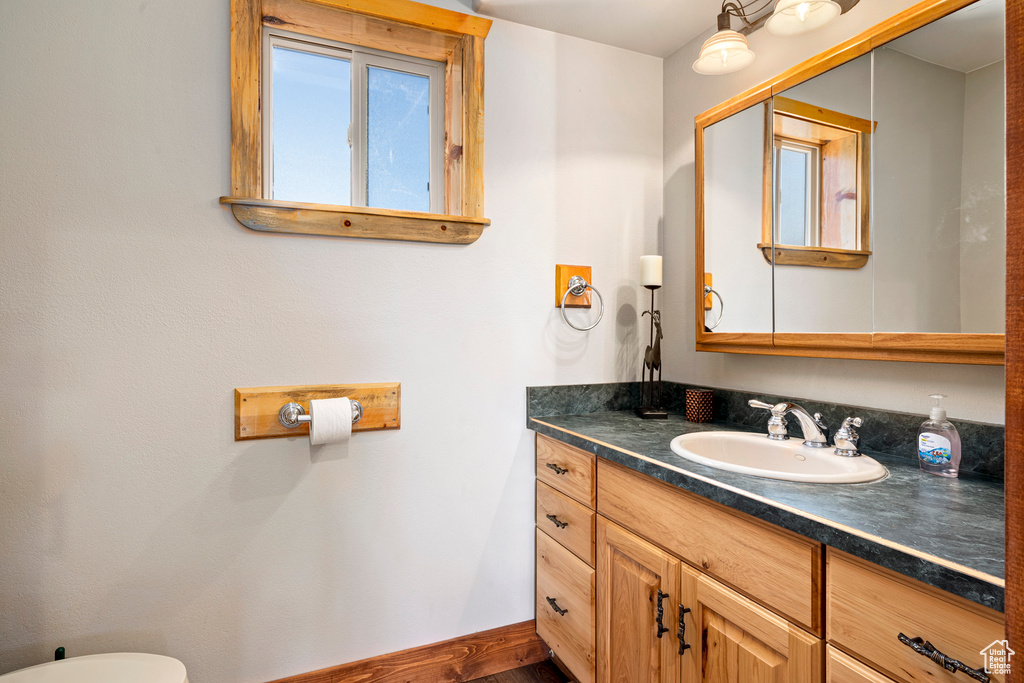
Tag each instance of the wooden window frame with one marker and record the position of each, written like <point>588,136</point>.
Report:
<point>818,256</point>
<point>397,26</point>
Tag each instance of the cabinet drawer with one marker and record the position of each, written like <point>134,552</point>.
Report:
<point>843,668</point>
<point>778,568</point>
<point>566,579</point>
<point>868,607</point>
<point>566,521</point>
<point>567,469</point>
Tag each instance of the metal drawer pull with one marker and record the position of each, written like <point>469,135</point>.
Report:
<point>923,647</point>
<point>556,468</point>
<point>681,634</point>
<point>554,606</point>
<point>661,614</point>
<point>557,522</point>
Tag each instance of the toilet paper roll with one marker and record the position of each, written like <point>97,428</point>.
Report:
<point>331,420</point>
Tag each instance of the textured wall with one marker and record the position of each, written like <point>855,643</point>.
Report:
<point>131,305</point>
<point>975,392</point>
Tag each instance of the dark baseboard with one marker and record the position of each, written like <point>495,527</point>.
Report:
<point>459,659</point>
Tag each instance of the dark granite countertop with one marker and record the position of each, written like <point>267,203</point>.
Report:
<point>945,532</point>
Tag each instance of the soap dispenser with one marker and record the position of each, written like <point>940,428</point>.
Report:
<point>938,443</point>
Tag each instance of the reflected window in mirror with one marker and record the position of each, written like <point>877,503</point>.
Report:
<point>819,177</point>
<point>797,169</point>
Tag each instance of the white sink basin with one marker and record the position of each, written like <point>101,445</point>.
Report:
<point>789,460</point>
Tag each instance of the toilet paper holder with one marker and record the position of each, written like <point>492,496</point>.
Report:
<point>293,414</point>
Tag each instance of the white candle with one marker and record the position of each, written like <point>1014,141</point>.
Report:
<point>650,271</point>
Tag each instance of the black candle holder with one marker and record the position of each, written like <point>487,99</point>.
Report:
<point>650,391</point>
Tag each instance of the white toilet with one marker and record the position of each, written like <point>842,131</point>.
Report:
<point>118,667</point>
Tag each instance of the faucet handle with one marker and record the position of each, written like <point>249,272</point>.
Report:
<point>777,423</point>
<point>847,441</point>
<point>825,431</point>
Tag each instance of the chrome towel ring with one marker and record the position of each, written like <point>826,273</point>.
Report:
<point>721,307</point>
<point>578,287</point>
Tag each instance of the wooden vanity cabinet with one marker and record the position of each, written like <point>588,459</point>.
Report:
<point>732,638</point>
<point>643,592</point>
<point>870,606</point>
<point>565,591</point>
<point>777,568</point>
<point>637,601</point>
<point>842,668</point>
<point>622,556</point>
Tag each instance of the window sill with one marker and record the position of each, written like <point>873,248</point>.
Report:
<point>819,257</point>
<point>268,215</point>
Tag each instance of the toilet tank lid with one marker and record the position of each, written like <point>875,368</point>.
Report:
<point>117,667</point>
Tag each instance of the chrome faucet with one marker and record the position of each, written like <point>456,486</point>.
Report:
<point>815,431</point>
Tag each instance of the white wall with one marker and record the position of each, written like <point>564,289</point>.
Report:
<point>132,304</point>
<point>916,163</point>
<point>975,392</point>
<point>983,203</point>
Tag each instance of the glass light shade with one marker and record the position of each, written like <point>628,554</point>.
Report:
<point>793,17</point>
<point>723,53</point>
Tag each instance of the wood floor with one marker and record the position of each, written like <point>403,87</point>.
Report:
<point>542,672</point>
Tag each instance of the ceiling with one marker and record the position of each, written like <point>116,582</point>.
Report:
<point>965,40</point>
<point>654,27</point>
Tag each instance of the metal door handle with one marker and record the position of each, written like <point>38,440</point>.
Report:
<point>556,468</point>
<point>661,614</point>
<point>681,633</point>
<point>554,606</point>
<point>557,522</point>
<point>923,647</point>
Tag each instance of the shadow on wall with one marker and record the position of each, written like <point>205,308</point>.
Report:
<point>627,337</point>
<point>561,342</point>
<point>678,307</point>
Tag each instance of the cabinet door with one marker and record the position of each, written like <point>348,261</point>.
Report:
<point>733,639</point>
<point>633,577</point>
<point>843,668</point>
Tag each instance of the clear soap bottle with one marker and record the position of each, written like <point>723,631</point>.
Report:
<point>938,443</point>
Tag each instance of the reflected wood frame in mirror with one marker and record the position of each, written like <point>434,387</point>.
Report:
<point>973,349</point>
<point>826,130</point>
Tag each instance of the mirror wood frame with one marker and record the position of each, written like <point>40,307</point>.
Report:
<point>974,349</point>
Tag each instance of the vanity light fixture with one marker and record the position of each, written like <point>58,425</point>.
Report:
<point>793,17</point>
<point>728,50</point>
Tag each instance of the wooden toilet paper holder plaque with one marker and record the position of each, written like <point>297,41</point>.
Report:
<point>257,408</point>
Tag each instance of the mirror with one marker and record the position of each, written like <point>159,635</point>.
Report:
<point>860,212</point>
<point>839,278</point>
<point>941,179</point>
<point>821,172</point>
<point>733,168</point>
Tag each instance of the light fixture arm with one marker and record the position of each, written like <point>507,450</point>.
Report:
<point>742,12</point>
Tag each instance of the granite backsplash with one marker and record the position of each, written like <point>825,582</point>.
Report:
<point>884,431</point>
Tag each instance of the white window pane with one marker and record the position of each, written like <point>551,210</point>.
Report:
<point>312,109</point>
<point>793,191</point>
<point>398,140</point>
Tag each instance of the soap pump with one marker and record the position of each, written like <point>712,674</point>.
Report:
<point>938,442</point>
